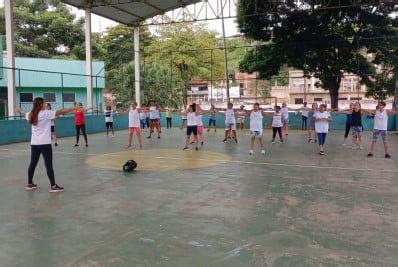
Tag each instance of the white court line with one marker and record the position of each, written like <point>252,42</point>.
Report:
<point>288,165</point>
<point>54,152</point>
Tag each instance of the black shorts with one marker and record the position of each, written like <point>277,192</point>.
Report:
<point>192,130</point>
<point>52,129</point>
<point>108,124</point>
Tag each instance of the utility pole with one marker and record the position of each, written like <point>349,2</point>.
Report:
<point>225,52</point>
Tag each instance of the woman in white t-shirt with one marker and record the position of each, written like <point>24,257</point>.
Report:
<point>277,124</point>
<point>230,123</point>
<point>134,123</point>
<point>304,116</point>
<point>256,128</point>
<point>322,119</point>
<point>380,128</point>
<point>40,118</point>
<point>192,124</point>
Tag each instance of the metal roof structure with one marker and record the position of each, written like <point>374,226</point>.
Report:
<point>130,12</point>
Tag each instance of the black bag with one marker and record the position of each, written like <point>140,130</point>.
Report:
<point>129,166</point>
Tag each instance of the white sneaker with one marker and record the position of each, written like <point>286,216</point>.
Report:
<point>251,152</point>
<point>343,144</point>
<point>263,152</point>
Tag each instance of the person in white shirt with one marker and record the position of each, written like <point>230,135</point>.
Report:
<point>256,128</point>
<point>183,117</point>
<point>53,135</point>
<point>380,128</point>
<point>277,124</point>
<point>192,124</point>
<point>285,118</point>
<point>40,118</point>
<point>134,123</point>
<point>230,123</point>
<point>154,117</point>
<point>304,116</point>
<point>108,112</point>
<point>322,119</point>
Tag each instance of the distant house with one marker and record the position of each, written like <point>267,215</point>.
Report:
<point>60,82</point>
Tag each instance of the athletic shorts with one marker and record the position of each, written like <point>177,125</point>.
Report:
<point>230,126</point>
<point>52,129</point>
<point>108,124</point>
<point>192,130</point>
<point>356,131</point>
<point>154,123</point>
<point>376,134</point>
<point>200,129</point>
<point>136,129</point>
<point>241,120</point>
<point>257,134</point>
<point>285,121</point>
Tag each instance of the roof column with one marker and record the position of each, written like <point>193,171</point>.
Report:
<point>11,91</point>
<point>137,70</point>
<point>89,63</point>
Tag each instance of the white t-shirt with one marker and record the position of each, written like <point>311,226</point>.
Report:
<point>256,121</point>
<point>192,119</point>
<point>143,116</point>
<point>381,120</point>
<point>304,112</point>
<point>321,126</point>
<point>230,116</point>
<point>134,118</point>
<point>277,119</point>
<point>199,119</point>
<point>285,113</point>
<point>154,113</point>
<point>41,132</point>
<point>108,115</point>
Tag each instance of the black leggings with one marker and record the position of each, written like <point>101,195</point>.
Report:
<point>47,152</point>
<point>304,123</point>
<point>277,130</point>
<point>83,128</point>
<point>347,129</point>
<point>168,120</point>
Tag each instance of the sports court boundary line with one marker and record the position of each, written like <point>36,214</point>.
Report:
<point>288,165</point>
<point>54,152</point>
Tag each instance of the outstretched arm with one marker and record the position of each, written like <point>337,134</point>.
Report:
<point>64,111</point>
<point>20,111</point>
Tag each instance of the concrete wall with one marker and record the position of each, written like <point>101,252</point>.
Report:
<point>13,131</point>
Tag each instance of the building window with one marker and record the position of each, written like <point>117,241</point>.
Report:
<point>49,97</point>
<point>26,97</point>
<point>69,97</point>
<point>318,99</point>
<point>298,101</point>
<point>356,98</point>
<point>343,98</point>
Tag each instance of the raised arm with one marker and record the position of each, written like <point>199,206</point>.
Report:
<point>64,111</point>
<point>20,111</point>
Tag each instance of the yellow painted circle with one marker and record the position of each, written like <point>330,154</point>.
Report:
<point>159,159</point>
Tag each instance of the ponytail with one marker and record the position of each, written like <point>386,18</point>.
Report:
<point>34,113</point>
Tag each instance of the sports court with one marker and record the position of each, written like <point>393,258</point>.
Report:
<point>216,207</point>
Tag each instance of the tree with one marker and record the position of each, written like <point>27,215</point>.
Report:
<point>118,43</point>
<point>324,42</point>
<point>184,49</point>
<point>44,28</point>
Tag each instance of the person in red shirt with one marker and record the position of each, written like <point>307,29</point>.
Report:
<point>80,123</point>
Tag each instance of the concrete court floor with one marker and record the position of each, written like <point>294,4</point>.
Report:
<point>291,208</point>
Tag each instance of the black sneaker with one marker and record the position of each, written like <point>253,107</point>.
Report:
<point>55,144</point>
<point>192,143</point>
<point>148,137</point>
<point>309,140</point>
<point>387,156</point>
<point>370,155</point>
<point>86,145</point>
<point>202,143</point>
<point>76,145</point>
<point>185,148</point>
<point>236,140</point>
<point>225,140</point>
<point>55,189</point>
<point>196,148</point>
<point>31,187</point>
<point>159,137</point>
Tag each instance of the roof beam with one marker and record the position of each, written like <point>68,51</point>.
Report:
<point>128,12</point>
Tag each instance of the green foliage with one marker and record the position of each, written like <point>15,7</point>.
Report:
<point>324,42</point>
<point>44,28</point>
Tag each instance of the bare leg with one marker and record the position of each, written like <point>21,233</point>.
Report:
<point>372,146</point>
<point>252,143</point>
<point>385,147</point>
<point>260,140</point>
<point>139,138</point>
<point>130,140</point>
